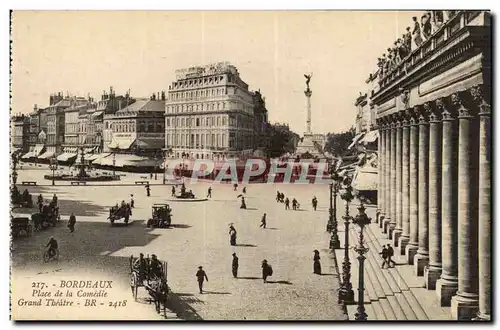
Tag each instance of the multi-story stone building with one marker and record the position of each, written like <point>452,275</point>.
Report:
<point>433,111</point>
<point>20,125</point>
<point>209,113</point>
<point>137,132</point>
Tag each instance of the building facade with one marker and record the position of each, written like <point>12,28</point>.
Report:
<point>137,129</point>
<point>433,112</point>
<point>20,128</point>
<point>209,113</point>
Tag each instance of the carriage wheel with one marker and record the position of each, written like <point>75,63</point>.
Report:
<point>133,285</point>
<point>45,224</point>
<point>46,256</point>
<point>168,221</point>
<point>29,231</point>
<point>126,221</point>
<point>112,221</point>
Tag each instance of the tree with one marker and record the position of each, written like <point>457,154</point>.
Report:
<point>337,143</point>
<point>281,141</point>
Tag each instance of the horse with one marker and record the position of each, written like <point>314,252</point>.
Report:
<point>158,290</point>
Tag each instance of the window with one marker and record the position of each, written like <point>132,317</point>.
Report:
<point>183,122</point>
<point>197,122</point>
<point>168,121</point>
<point>212,107</point>
<point>223,121</point>
<point>218,121</point>
<point>159,127</point>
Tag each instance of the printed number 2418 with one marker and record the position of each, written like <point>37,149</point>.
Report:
<point>115,304</point>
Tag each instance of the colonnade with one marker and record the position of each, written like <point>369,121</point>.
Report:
<point>434,196</point>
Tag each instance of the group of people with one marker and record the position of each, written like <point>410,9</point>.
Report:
<point>430,22</point>
<point>147,268</point>
<point>280,198</point>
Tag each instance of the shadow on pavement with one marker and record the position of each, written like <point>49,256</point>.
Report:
<point>246,245</point>
<point>215,292</point>
<point>180,305</point>
<point>327,274</point>
<point>249,278</point>
<point>251,208</point>
<point>281,282</point>
<point>271,228</point>
<point>180,226</point>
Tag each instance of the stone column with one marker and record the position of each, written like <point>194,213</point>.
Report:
<point>411,248</point>
<point>392,224</point>
<point>422,258</point>
<point>405,186</point>
<point>380,187</point>
<point>465,304</point>
<point>484,204</point>
<point>433,272</point>
<point>399,196</point>
<point>447,285</point>
<point>387,173</point>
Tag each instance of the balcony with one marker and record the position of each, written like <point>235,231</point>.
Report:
<point>452,33</point>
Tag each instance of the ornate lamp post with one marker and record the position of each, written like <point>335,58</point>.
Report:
<point>53,168</point>
<point>114,163</point>
<point>361,220</point>
<point>15,160</point>
<point>334,239</point>
<point>346,295</point>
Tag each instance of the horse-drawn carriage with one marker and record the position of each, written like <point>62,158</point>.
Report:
<point>151,274</point>
<point>48,216</point>
<point>24,200</point>
<point>161,216</point>
<point>21,225</point>
<point>118,213</point>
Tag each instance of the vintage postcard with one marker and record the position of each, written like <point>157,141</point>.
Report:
<point>250,165</point>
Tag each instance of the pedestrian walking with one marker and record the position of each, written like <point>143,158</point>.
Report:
<point>267,270</point>
<point>209,194</point>
<point>132,203</point>
<point>278,196</point>
<point>263,221</point>
<point>235,187</point>
<point>390,254</point>
<point>243,204</point>
<point>384,255</point>
<point>235,265</point>
<point>294,204</point>
<point>201,276</point>
<point>148,190</point>
<point>72,222</point>
<point>317,263</point>
<point>314,203</point>
<point>151,175</point>
<point>287,204</point>
<point>232,235</point>
<point>173,191</point>
<point>244,190</point>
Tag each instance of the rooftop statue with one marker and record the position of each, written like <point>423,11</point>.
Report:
<point>308,79</point>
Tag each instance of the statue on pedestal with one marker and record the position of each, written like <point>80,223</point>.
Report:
<point>308,79</point>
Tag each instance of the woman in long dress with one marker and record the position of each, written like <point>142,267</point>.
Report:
<point>317,264</point>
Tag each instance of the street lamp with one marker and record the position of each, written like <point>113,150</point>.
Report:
<point>361,220</point>
<point>53,168</point>
<point>346,295</point>
<point>114,163</point>
<point>332,221</point>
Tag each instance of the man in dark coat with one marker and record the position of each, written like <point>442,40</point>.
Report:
<point>235,265</point>
<point>72,222</point>
<point>287,204</point>
<point>390,254</point>
<point>266,270</point>
<point>173,191</point>
<point>384,256</point>
<point>148,190</point>
<point>201,276</point>
<point>209,194</point>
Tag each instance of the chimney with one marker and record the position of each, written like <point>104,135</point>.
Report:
<point>163,95</point>
<point>158,96</point>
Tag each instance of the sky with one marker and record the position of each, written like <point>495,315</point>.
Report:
<point>84,52</point>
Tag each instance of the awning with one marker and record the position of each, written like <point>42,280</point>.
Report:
<point>355,140</point>
<point>30,154</point>
<point>46,155</point>
<point>113,144</point>
<point>370,137</point>
<point>121,160</point>
<point>365,178</point>
<point>125,145</point>
<point>100,158</point>
<point>89,150</point>
<point>38,149</point>
<point>66,157</point>
<point>96,114</point>
<point>150,143</point>
<point>94,156</point>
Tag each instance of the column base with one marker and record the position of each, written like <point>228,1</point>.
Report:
<point>385,225</point>
<point>377,217</point>
<point>431,275</point>
<point>411,252</point>
<point>464,308</point>
<point>482,317</point>
<point>396,234</point>
<point>403,242</point>
<point>420,262</point>
<point>445,289</point>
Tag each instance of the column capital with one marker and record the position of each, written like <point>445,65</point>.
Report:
<point>481,99</point>
<point>445,108</point>
<point>405,117</point>
<point>432,111</point>
<point>422,115</point>
<point>459,101</point>
<point>413,116</point>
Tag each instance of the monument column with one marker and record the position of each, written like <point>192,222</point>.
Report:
<point>447,284</point>
<point>465,304</point>
<point>399,166</point>
<point>405,185</point>
<point>387,174</point>
<point>433,272</point>
<point>484,204</point>
<point>392,224</point>
<point>411,248</point>
<point>422,258</point>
